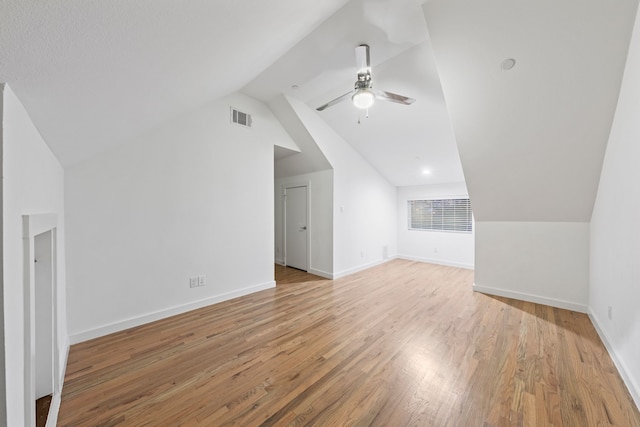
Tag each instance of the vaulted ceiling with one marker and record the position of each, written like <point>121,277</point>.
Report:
<point>96,74</point>
<point>531,138</point>
<point>402,142</point>
<point>93,75</point>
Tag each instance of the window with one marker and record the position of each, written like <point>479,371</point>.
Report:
<point>441,215</point>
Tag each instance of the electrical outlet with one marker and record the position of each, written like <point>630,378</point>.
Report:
<point>193,282</point>
<point>202,280</point>
<point>610,312</point>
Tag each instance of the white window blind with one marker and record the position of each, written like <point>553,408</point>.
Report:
<point>441,215</point>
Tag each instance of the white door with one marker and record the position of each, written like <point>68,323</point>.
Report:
<point>295,200</point>
<point>44,314</point>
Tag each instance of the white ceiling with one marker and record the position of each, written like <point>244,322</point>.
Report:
<point>94,75</point>
<point>531,139</point>
<point>400,141</point>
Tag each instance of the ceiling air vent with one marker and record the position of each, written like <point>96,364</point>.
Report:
<point>240,118</point>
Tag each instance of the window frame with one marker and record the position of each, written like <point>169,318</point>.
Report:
<point>462,224</point>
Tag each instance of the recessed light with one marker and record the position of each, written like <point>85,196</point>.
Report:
<point>508,64</point>
<point>426,172</point>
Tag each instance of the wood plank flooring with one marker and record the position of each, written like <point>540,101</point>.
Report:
<point>401,344</point>
<point>42,410</point>
<point>286,275</point>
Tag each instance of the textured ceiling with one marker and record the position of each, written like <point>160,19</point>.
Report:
<point>94,74</point>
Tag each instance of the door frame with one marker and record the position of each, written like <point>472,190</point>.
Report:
<point>306,184</point>
<point>33,225</point>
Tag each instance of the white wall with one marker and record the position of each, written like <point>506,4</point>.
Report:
<point>33,182</point>
<point>194,197</point>
<point>3,382</point>
<point>454,249</point>
<point>531,139</point>
<point>364,219</point>
<point>615,231</point>
<point>310,158</point>
<point>364,225</point>
<point>320,219</point>
<point>543,262</point>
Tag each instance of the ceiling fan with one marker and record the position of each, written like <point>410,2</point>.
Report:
<point>363,95</point>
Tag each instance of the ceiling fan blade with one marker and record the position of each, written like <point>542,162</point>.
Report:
<point>393,97</point>
<point>335,101</point>
<point>363,61</point>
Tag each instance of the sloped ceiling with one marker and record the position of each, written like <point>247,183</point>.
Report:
<point>96,74</point>
<point>310,157</point>
<point>402,141</point>
<point>399,141</point>
<point>93,74</point>
<point>531,139</point>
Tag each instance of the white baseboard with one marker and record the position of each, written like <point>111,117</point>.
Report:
<point>161,314</point>
<point>567,305</point>
<point>382,261</point>
<point>632,385</point>
<point>311,270</point>
<point>56,399</point>
<point>54,409</point>
<point>438,261</point>
<point>361,267</point>
<point>321,273</point>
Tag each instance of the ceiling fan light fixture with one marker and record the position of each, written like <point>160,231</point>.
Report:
<point>363,98</point>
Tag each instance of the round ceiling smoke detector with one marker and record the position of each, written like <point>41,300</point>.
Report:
<point>508,64</point>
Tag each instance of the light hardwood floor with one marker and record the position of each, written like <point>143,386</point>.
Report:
<point>286,275</point>
<point>401,344</point>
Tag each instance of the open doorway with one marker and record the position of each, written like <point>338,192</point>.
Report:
<point>318,257</point>
<point>41,376</point>
<point>43,299</point>
<point>292,213</point>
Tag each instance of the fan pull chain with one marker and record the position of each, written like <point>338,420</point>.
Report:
<point>366,115</point>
